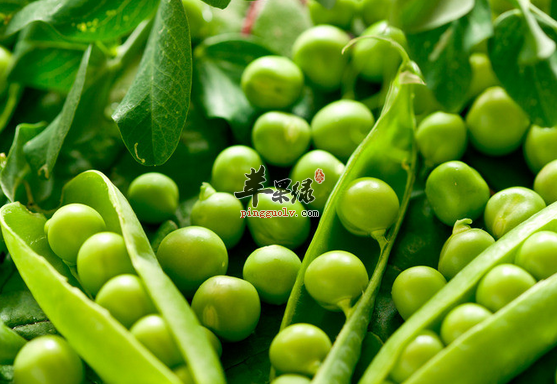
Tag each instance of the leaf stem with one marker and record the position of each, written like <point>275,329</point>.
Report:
<point>544,17</point>
<point>132,46</point>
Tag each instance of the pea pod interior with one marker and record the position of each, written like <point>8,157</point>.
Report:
<point>119,357</point>
<point>496,334</point>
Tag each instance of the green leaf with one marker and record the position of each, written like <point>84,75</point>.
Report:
<point>415,16</point>
<point>44,60</point>
<point>218,3</point>
<point>85,20</point>
<point>153,113</point>
<point>279,23</point>
<point>17,169</point>
<point>532,86</point>
<point>327,3</point>
<point>443,55</point>
<point>218,67</point>
<point>10,101</point>
<point>43,150</point>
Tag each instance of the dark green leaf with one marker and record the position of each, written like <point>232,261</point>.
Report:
<point>279,23</point>
<point>531,86</point>
<point>153,113</point>
<point>43,150</point>
<point>218,67</point>
<point>423,15</point>
<point>85,20</point>
<point>44,60</point>
<point>218,3</point>
<point>443,55</point>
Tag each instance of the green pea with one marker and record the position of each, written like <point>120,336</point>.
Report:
<point>501,285</point>
<point>318,51</point>
<point>497,125</point>
<point>441,137</point>
<point>538,255</point>
<point>126,299</point>
<point>461,319</point>
<point>272,270</point>
<point>340,15</point>
<point>153,332</point>
<point>341,126</point>
<point>5,63</point>
<point>154,197</point>
<point>462,247</point>
<point>281,138</point>
<point>540,147</point>
<point>307,167</point>
<point>230,167</point>
<point>545,183</point>
<point>219,212</point>
<point>191,255</point>
<point>291,379</point>
<point>414,287</point>
<point>368,206</point>
<point>69,227</point>
<point>48,360</point>
<point>272,82</point>
<point>418,352</point>
<point>373,11</point>
<point>102,257</point>
<point>375,59</point>
<point>510,207</point>
<point>199,15</point>
<point>456,191</point>
<point>290,229</point>
<point>483,76</point>
<point>299,348</point>
<point>228,306</point>
<point>336,279</point>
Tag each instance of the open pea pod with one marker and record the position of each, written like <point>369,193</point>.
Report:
<point>102,341</point>
<point>493,351</point>
<point>387,153</point>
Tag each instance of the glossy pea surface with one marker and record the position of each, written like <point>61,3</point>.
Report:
<point>340,15</point>
<point>538,254</point>
<point>307,167</point>
<point>483,76</point>
<point>191,255</point>
<point>126,298</point>
<point>272,270</point>
<point>442,137</point>
<point>281,138</point>
<point>341,126</point>
<point>272,82</point>
<point>456,191</point>
<point>501,285</point>
<point>496,124</point>
<point>413,287</point>
<point>228,306</point>
<point>336,279</point>
<point>418,352</point>
<point>299,348</point>
<point>459,320</point>
<point>545,182</point>
<point>48,360</point>
<point>69,227</point>
<point>219,212</point>
<point>289,230</point>
<point>510,207</point>
<point>291,379</point>
<point>540,147</point>
<point>462,247</point>
<point>153,332</point>
<point>318,52</point>
<point>102,257</point>
<point>230,167</point>
<point>154,197</point>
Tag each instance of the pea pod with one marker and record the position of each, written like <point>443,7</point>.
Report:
<point>106,345</point>
<point>11,343</point>
<point>387,153</point>
<point>476,356</point>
